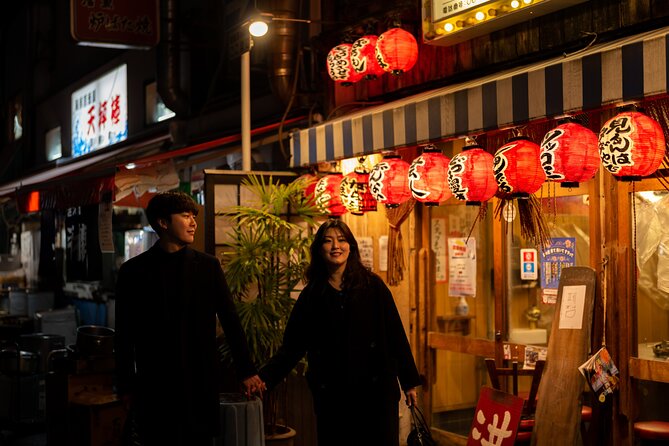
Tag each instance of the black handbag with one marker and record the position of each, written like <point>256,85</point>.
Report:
<point>420,434</point>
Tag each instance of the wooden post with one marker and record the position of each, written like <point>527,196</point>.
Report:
<point>558,413</point>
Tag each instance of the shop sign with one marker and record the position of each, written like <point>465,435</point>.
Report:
<point>496,418</point>
<point>115,23</point>
<point>100,113</point>
<point>559,255</point>
<point>447,22</point>
<point>461,266</point>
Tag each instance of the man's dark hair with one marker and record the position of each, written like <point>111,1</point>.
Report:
<point>165,204</point>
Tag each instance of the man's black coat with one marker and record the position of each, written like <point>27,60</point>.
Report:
<point>166,308</point>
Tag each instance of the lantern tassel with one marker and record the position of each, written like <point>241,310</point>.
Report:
<point>533,227</point>
<point>483,211</point>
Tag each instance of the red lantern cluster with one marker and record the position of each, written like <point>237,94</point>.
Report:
<point>426,177</point>
<point>631,145</point>
<point>470,175</point>
<point>396,51</point>
<point>327,195</point>
<point>569,154</point>
<point>363,57</point>
<point>340,65</point>
<point>355,193</point>
<point>517,167</point>
<point>309,180</point>
<point>388,181</point>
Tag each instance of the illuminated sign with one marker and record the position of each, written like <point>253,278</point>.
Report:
<point>100,113</point>
<point>115,23</point>
<point>447,22</point>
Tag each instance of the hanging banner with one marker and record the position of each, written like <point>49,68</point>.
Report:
<point>560,254</point>
<point>461,266</point>
<point>438,237</point>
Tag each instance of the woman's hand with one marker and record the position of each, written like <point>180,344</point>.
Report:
<point>411,397</point>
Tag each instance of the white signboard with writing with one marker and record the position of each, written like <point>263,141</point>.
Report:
<point>100,112</point>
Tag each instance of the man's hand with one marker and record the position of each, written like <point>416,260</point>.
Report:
<point>253,385</point>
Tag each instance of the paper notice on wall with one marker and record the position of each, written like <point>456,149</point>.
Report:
<point>366,248</point>
<point>383,253</point>
<point>105,227</point>
<point>461,266</point>
<point>571,307</point>
<point>438,237</point>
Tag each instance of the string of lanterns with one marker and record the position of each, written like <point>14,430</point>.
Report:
<point>630,146</point>
<point>395,51</point>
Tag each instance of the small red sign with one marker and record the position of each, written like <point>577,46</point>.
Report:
<point>496,419</point>
<point>115,23</point>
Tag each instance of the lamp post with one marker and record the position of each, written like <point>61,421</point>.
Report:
<point>258,27</point>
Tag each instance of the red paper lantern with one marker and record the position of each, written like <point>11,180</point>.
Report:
<point>517,167</point>
<point>327,195</point>
<point>340,66</point>
<point>470,176</point>
<point>569,154</point>
<point>388,181</point>
<point>355,193</point>
<point>396,51</point>
<point>363,57</point>
<point>427,177</point>
<point>631,145</point>
<point>309,181</point>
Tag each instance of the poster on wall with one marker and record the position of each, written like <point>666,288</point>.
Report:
<point>438,237</point>
<point>100,113</point>
<point>461,266</point>
<point>560,254</point>
<point>366,248</point>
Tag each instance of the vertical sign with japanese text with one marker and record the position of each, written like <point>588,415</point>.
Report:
<point>100,113</point>
<point>438,237</point>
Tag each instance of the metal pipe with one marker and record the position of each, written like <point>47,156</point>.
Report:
<point>246,109</point>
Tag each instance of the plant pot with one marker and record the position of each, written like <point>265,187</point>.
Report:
<point>284,437</point>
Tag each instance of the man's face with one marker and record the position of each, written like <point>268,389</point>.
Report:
<point>180,229</point>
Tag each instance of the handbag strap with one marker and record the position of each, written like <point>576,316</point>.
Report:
<point>417,418</point>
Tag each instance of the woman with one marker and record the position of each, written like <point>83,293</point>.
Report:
<point>346,321</point>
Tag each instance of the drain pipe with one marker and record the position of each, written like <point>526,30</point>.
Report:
<point>284,44</point>
<point>169,61</point>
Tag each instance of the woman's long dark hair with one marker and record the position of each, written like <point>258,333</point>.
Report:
<point>355,274</point>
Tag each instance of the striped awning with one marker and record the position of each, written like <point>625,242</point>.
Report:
<point>623,70</point>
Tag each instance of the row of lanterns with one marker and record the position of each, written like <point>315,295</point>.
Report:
<point>395,51</point>
<point>630,146</point>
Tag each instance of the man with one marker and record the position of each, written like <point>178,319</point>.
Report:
<point>167,300</point>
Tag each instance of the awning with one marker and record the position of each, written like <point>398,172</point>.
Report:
<point>96,161</point>
<point>623,70</point>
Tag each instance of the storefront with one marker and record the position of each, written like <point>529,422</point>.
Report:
<point>496,311</point>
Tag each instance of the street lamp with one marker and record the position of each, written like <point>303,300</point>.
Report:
<point>257,27</point>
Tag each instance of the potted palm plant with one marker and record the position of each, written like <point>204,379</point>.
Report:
<point>264,259</point>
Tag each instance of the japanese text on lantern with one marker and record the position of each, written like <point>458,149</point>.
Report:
<point>376,177</point>
<point>414,178</point>
<point>500,164</point>
<point>550,145</point>
<point>615,144</point>
<point>455,171</point>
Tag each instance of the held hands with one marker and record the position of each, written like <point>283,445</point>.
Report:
<point>253,385</point>
<point>411,397</point>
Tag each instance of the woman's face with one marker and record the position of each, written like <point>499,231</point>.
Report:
<point>335,248</point>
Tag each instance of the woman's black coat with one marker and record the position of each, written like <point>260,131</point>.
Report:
<point>166,353</point>
<point>377,352</point>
